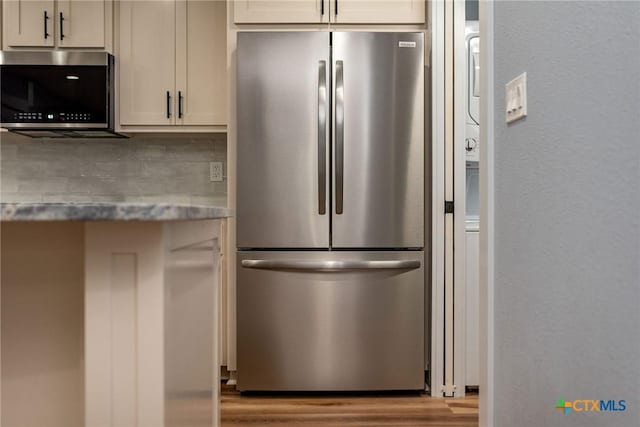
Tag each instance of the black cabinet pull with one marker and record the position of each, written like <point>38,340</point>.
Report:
<point>322,7</point>
<point>168,105</point>
<point>179,104</point>
<point>61,26</point>
<point>336,7</point>
<point>46,31</point>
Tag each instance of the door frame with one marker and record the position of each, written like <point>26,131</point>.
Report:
<point>448,285</point>
<point>459,310</point>
<point>487,227</point>
<point>437,279</point>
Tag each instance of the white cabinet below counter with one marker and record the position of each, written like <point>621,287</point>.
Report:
<point>172,65</point>
<point>152,301</point>
<point>110,314</point>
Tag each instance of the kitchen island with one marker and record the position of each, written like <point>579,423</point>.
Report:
<point>110,314</point>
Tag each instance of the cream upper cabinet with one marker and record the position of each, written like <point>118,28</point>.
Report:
<point>28,23</point>
<point>324,11</point>
<point>281,11</point>
<point>172,63</point>
<point>146,62</point>
<point>201,62</point>
<point>378,11</point>
<point>61,23</point>
<point>80,23</point>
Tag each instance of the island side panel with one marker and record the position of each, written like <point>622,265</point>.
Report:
<point>124,321</point>
<point>42,324</point>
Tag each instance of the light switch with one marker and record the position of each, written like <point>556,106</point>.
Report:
<point>516,98</point>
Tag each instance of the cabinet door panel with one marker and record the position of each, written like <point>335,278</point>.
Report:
<point>25,23</point>
<point>378,12</point>
<point>147,62</point>
<point>201,67</point>
<point>83,24</point>
<point>282,11</point>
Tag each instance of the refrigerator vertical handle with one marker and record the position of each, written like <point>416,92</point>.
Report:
<point>339,121</point>
<point>322,137</point>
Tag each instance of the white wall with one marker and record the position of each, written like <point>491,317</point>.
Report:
<point>567,212</point>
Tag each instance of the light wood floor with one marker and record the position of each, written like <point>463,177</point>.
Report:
<point>348,410</point>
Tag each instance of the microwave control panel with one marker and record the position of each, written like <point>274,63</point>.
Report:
<point>32,117</point>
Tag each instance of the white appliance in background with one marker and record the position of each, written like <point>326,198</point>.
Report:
<point>330,212</point>
<point>472,318</point>
<point>472,132</point>
<point>472,251</point>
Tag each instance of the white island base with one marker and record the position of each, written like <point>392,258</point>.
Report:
<point>110,323</point>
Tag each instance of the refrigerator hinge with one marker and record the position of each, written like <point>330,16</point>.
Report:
<point>448,206</point>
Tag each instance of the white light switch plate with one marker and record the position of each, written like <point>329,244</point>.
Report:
<point>516,98</point>
<point>215,171</point>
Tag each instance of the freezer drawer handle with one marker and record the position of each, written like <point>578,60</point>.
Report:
<point>339,119</point>
<point>330,265</point>
<point>322,137</point>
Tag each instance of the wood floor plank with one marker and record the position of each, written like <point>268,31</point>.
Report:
<point>346,410</point>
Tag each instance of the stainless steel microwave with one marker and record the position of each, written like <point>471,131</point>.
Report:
<point>58,94</point>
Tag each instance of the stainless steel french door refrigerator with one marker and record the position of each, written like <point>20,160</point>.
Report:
<point>330,211</point>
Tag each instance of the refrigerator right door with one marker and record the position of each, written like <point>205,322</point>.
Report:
<point>378,145</point>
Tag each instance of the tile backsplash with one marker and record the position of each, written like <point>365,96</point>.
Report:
<point>163,169</point>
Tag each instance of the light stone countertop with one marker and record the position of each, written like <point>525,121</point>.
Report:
<point>39,211</point>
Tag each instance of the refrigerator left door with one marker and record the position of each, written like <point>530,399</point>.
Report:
<point>282,94</point>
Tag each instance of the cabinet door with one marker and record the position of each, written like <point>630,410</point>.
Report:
<point>378,11</point>
<point>282,11</point>
<point>29,23</point>
<point>201,63</point>
<point>80,23</point>
<point>147,62</point>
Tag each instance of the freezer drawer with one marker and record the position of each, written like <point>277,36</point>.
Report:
<point>323,321</point>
